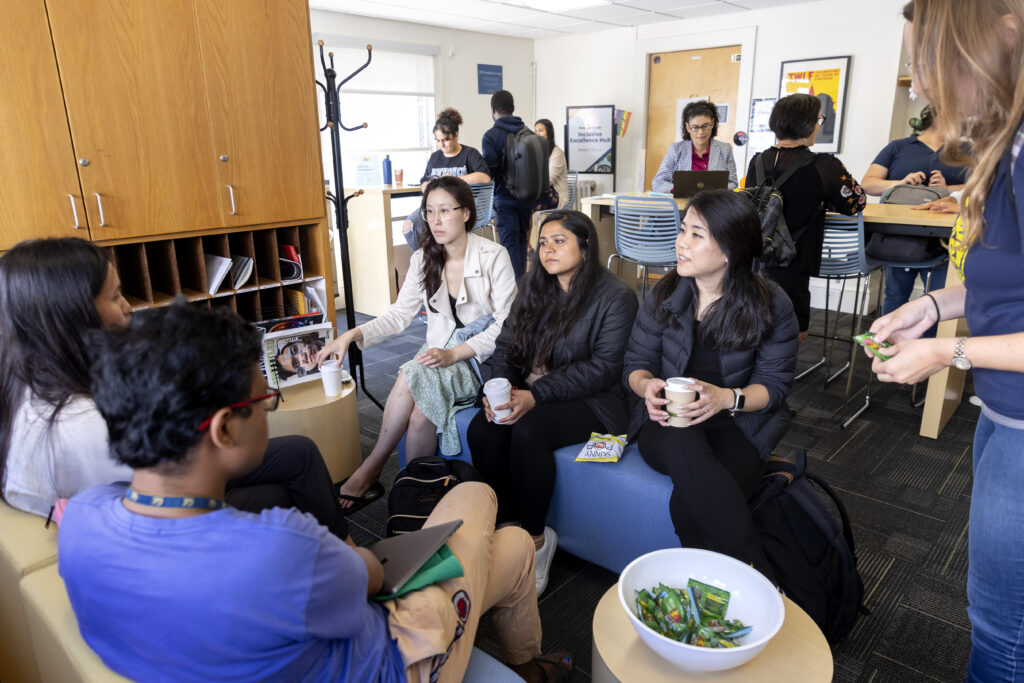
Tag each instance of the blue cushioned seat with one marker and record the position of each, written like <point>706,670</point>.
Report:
<point>606,513</point>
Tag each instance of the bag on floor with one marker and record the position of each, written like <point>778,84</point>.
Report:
<point>778,248</point>
<point>812,553</point>
<point>418,488</point>
<point>526,165</point>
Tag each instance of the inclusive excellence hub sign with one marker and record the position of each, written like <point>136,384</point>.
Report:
<point>590,138</point>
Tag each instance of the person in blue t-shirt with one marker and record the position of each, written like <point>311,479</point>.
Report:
<point>169,583</point>
<point>968,58</point>
<point>913,161</point>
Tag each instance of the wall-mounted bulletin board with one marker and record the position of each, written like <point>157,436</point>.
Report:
<point>590,139</point>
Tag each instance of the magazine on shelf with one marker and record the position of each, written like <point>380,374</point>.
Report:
<point>291,262</point>
<point>290,322</point>
<point>289,356</point>
<point>216,268</point>
<point>241,270</point>
<point>316,294</point>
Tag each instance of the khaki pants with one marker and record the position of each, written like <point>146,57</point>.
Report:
<point>435,627</point>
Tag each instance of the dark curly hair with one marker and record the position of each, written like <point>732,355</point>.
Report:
<point>448,122</point>
<point>699,108</point>
<point>157,380</point>
<point>434,254</point>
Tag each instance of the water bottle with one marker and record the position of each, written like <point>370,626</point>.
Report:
<point>387,169</point>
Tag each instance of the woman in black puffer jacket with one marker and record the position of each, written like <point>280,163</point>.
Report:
<point>715,320</point>
<point>561,347</point>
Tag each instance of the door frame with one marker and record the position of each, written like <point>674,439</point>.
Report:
<point>745,37</point>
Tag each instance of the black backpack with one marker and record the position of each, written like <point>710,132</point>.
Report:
<point>813,555</point>
<point>778,248</point>
<point>526,165</point>
<point>418,488</point>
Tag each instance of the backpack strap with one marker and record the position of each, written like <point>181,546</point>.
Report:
<point>843,516</point>
<point>807,158</point>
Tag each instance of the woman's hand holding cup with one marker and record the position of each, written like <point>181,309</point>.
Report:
<point>655,402</point>
<point>338,347</point>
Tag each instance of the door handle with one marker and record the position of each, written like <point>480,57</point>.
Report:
<point>231,194</point>
<point>74,210</point>
<point>99,204</point>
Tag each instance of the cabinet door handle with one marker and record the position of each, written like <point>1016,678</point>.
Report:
<point>99,203</point>
<point>74,210</point>
<point>231,194</point>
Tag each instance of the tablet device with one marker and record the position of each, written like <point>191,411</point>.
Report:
<point>685,184</point>
<point>402,556</point>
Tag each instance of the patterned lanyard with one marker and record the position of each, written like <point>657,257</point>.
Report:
<point>194,502</point>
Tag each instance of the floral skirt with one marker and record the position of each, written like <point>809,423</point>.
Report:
<point>439,393</point>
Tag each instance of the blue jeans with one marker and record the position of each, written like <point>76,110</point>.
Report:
<point>513,220</point>
<point>899,284</point>
<point>995,580</point>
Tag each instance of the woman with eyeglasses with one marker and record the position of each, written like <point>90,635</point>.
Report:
<point>467,285</point>
<point>699,150</point>
<point>821,183</point>
<point>53,441</point>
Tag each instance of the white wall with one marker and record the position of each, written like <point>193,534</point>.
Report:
<point>455,75</point>
<point>610,67</point>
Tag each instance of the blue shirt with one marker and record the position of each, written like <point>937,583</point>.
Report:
<point>994,277</point>
<point>909,155</point>
<point>222,596</point>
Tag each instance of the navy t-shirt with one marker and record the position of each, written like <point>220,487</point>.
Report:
<point>994,277</point>
<point>467,161</point>
<point>222,596</point>
<point>909,155</point>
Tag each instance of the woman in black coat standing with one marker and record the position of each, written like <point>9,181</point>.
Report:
<point>561,347</point>
<point>733,331</point>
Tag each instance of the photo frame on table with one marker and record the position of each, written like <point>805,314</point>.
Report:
<point>590,139</point>
<point>827,78</point>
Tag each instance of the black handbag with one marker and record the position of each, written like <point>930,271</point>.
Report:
<point>903,248</point>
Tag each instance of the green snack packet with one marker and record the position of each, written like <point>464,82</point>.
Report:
<point>867,340</point>
<point>711,602</point>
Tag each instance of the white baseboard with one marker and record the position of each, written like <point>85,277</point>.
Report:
<point>847,306</point>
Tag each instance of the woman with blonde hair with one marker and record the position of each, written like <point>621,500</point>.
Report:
<point>968,58</point>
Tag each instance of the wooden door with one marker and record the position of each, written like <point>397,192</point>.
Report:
<point>133,86</point>
<point>37,165</point>
<point>257,59</point>
<point>712,73</point>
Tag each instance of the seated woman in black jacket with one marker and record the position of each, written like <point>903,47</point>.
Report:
<point>561,346</point>
<point>732,330</point>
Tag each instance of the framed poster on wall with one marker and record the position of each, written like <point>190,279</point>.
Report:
<point>826,78</point>
<point>590,139</point>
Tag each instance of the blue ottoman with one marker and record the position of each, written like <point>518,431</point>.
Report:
<point>606,513</point>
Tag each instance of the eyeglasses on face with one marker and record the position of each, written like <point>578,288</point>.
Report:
<point>821,119</point>
<point>267,401</point>
<point>442,214</point>
<point>700,129</point>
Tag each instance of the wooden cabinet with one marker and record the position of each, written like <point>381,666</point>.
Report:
<point>39,189</point>
<point>257,59</point>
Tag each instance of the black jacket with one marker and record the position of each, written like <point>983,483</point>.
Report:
<point>665,352</point>
<point>588,362</point>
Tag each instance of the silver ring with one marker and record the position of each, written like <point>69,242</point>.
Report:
<point>705,410</point>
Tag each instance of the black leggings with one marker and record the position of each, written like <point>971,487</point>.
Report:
<point>292,475</point>
<point>715,470</point>
<point>518,461</point>
<point>797,287</point>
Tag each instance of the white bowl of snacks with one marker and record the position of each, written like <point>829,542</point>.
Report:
<point>738,610</point>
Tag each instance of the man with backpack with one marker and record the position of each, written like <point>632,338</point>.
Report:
<point>516,175</point>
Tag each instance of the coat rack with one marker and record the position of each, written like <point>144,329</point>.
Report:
<point>331,96</point>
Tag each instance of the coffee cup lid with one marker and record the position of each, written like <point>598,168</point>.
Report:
<point>676,381</point>
<point>497,384</point>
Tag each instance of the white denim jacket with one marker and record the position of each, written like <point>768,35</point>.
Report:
<point>488,288</point>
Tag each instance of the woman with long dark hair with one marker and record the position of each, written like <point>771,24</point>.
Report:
<point>561,348</point>
<point>716,321</point>
<point>557,195</point>
<point>53,441</point>
<point>467,285</point>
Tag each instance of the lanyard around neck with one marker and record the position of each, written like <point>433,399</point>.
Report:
<point>193,502</point>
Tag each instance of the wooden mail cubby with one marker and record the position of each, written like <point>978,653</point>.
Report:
<point>154,272</point>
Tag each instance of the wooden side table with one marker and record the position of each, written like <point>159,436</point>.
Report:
<point>620,656</point>
<point>331,421</point>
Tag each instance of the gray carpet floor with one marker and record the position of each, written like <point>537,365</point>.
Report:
<point>908,499</point>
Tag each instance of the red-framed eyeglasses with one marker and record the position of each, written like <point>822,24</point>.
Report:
<point>268,401</point>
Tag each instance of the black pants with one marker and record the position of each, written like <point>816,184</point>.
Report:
<point>518,461</point>
<point>512,217</point>
<point>715,470</point>
<point>292,475</point>
<point>797,287</point>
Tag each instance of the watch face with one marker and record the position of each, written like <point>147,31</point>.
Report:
<point>961,364</point>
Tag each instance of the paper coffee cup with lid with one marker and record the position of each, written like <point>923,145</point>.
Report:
<point>498,392</point>
<point>679,391</point>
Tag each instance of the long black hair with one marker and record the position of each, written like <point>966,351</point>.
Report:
<point>48,292</point>
<point>542,314</point>
<point>549,134</point>
<point>434,254</point>
<point>742,317</point>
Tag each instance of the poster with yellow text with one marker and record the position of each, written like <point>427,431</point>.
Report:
<point>827,80</point>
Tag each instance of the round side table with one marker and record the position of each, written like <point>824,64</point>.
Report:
<point>620,655</point>
<point>331,421</point>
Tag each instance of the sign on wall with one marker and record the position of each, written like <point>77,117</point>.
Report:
<point>825,78</point>
<point>488,78</point>
<point>590,138</point>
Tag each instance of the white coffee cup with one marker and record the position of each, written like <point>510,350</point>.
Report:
<point>330,373</point>
<point>498,392</point>
<point>679,391</point>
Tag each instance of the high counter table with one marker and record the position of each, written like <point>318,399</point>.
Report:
<point>945,388</point>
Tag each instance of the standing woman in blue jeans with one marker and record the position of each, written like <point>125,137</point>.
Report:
<point>968,58</point>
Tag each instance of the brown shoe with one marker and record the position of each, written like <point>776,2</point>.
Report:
<point>553,667</point>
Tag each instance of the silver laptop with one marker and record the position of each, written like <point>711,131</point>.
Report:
<point>402,556</point>
<point>685,184</point>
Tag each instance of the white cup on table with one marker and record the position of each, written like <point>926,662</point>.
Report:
<point>330,374</point>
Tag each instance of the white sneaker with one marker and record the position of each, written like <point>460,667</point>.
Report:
<point>544,557</point>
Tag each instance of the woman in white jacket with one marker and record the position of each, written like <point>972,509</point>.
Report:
<point>464,281</point>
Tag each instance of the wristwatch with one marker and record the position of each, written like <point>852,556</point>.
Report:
<point>740,400</point>
<point>960,361</point>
